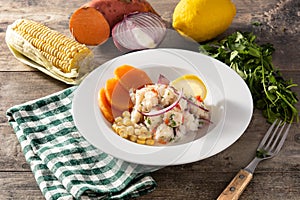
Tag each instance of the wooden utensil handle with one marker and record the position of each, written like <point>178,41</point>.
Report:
<point>236,186</point>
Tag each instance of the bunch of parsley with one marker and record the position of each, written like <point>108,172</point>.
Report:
<point>253,62</point>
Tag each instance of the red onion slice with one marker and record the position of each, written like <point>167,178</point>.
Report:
<point>164,110</point>
<point>139,31</point>
<point>163,80</point>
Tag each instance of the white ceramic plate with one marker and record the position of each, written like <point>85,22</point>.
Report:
<point>228,97</point>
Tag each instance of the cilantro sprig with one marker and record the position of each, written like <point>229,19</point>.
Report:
<point>253,62</point>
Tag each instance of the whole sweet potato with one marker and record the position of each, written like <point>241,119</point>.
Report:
<point>115,10</point>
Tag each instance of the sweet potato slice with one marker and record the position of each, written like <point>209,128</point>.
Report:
<point>109,88</point>
<point>122,70</point>
<point>89,26</point>
<point>117,95</point>
<point>135,78</point>
<point>105,106</point>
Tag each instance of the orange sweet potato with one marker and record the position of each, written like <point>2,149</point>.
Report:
<point>88,26</point>
<point>105,106</point>
<point>117,95</point>
<point>122,70</point>
<point>109,88</point>
<point>114,98</point>
<point>115,10</point>
<point>134,78</point>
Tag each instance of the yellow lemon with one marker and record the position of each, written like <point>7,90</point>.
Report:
<point>191,85</point>
<point>203,20</point>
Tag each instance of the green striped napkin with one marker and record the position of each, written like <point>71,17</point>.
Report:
<point>64,164</point>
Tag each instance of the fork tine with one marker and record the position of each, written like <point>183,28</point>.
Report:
<point>278,136</point>
<point>272,137</point>
<point>283,139</point>
<point>263,141</point>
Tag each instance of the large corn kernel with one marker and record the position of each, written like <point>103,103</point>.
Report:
<point>150,142</point>
<point>127,121</point>
<point>142,137</point>
<point>126,114</point>
<point>137,132</point>
<point>140,141</point>
<point>130,130</point>
<point>123,134</point>
<point>133,138</point>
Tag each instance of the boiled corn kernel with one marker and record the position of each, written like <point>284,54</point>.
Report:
<point>127,121</point>
<point>150,142</point>
<point>118,119</point>
<point>134,132</point>
<point>123,134</point>
<point>130,130</point>
<point>137,132</point>
<point>142,137</point>
<point>141,141</point>
<point>126,114</point>
<point>133,138</point>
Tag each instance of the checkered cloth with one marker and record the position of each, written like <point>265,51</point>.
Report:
<point>64,164</point>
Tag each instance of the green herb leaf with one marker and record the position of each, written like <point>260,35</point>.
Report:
<point>253,62</point>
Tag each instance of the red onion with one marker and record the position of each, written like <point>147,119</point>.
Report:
<point>163,80</point>
<point>139,31</point>
<point>164,110</point>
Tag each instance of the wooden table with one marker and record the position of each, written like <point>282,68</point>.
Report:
<point>278,178</point>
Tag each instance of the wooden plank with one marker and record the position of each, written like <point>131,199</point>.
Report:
<point>19,185</point>
<point>186,186</point>
<point>20,87</point>
<point>192,184</point>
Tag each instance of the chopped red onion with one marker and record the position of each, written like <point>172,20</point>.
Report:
<point>163,80</point>
<point>164,110</point>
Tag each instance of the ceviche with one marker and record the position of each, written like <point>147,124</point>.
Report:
<point>161,113</point>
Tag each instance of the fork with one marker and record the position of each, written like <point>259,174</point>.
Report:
<point>269,147</point>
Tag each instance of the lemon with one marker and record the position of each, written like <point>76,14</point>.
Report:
<point>191,85</point>
<point>203,20</point>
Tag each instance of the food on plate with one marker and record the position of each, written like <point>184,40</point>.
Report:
<point>105,106</point>
<point>92,23</point>
<point>88,26</point>
<point>133,78</point>
<point>116,90</point>
<point>56,53</point>
<point>133,132</point>
<point>139,31</point>
<point>162,112</point>
<point>203,20</point>
<point>122,70</point>
<point>117,95</point>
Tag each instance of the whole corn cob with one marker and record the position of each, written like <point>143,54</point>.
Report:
<point>60,55</point>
